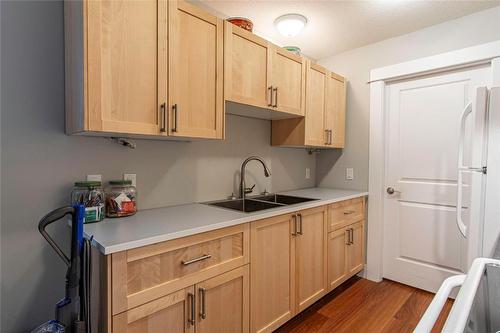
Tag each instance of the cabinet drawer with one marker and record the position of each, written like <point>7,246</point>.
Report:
<point>143,274</point>
<point>346,212</point>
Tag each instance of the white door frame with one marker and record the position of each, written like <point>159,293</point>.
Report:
<point>471,56</point>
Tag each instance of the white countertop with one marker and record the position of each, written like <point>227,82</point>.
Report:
<point>161,224</point>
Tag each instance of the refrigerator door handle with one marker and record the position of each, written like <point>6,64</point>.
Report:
<point>460,223</point>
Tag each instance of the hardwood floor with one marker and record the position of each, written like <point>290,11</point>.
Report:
<point>360,305</point>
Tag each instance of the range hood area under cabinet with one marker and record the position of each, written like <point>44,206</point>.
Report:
<point>143,68</point>
<point>164,69</point>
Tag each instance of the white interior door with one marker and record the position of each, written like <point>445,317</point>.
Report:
<point>422,244</point>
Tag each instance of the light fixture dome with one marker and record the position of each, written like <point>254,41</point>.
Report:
<point>290,25</point>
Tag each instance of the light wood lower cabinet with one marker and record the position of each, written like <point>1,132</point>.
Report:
<point>310,256</point>
<point>272,294</point>
<point>219,304</point>
<point>288,266</point>
<point>346,253</point>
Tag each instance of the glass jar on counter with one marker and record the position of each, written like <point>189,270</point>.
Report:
<point>121,198</point>
<point>91,195</point>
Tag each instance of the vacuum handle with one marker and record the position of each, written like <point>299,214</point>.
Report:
<point>50,218</point>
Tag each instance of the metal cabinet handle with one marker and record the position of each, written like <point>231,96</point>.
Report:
<point>270,96</point>
<point>192,300</point>
<point>275,97</point>
<point>300,231</point>
<point>294,231</point>
<point>351,232</point>
<point>348,236</point>
<point>349,212</point>
<point>192,261</point>
<point>330,137</point>
<point>203,314</point>
<point>174,110</point>
<point>327,136</point>
<point>163,127</point>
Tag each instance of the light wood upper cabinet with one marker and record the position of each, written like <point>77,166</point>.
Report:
<point>113,82</point>
<point>272,273</point>
<point>167,314</point>
<point>324,122</point>
<point>315,105</point>
<point>195,66</point>
<point>311,256</point>
<point>335,108</point>
<point>287,81</point>
<point>223,303</point>
<point>247,59</point>
<point>150,68</point>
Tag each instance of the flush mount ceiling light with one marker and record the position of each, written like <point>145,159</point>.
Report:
<point>290,25</point>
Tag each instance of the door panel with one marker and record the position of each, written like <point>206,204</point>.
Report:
<point>337,258</point>
<point>196,67</point>
<point>335,109</point>
<point>224,302</point>
<point>423,121</point>
<point>288,77</point>
<point>168,314</point>
<point>123,53</point>
<point>356,248</point>
<point>272,297</point>
<point>315,105</point>
<point>311,257</point>
<point>246,67</point>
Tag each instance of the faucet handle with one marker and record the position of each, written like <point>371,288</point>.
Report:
<point>249,189</point>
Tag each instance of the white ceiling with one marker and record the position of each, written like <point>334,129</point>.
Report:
<point>337,26</point>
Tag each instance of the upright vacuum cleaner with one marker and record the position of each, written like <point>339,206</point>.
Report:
<point>73,311</point>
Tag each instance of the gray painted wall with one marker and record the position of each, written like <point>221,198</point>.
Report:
<point>40,163</point>
<point>478,28</point>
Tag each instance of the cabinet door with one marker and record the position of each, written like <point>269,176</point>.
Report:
<point>288,81</point>
<point>356,250</point>
<point>169,314</point>
<point>126,52</point>
<point>335,110</point>
<point>337,257</point>
<point>310,256</point>
<point>246,67</point>
<point>223,303</point>
<point>196,72</point>
<point>315,105</point>
<point>272,297</point>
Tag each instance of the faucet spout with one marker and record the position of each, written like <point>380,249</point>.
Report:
<point>267,173</point>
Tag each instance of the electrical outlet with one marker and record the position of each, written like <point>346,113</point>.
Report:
<point>308,173</point>
<point>130,176</point>
<point>349,173</point>
<point>94,178</point>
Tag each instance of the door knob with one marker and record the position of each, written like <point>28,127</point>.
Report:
<point>390,190</point>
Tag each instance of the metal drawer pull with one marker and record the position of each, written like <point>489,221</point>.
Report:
<point>275,97</point>
<point>330,137</point>
<point>348,241</point>
<point>300,231</point>
<point>327,136</point>
<point>164,117</point>
<point>191,298</point>
<point>349,212</point>
<point>352,235</point>
<point>270,100</point>
<point>192,261</point>
<point>174,109</point>
<point>203,314</point>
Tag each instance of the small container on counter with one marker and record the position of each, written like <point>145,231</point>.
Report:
<point>91,195</point>
<point>121,198</point>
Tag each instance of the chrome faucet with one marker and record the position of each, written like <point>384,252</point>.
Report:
<point>243,189</point>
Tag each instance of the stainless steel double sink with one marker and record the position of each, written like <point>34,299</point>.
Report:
<point>257,203</point>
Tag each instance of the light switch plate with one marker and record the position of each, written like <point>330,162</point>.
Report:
<point>349,173</point>
<point>308,173</point>
<point>130,176</point>
<point>94,178</point>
